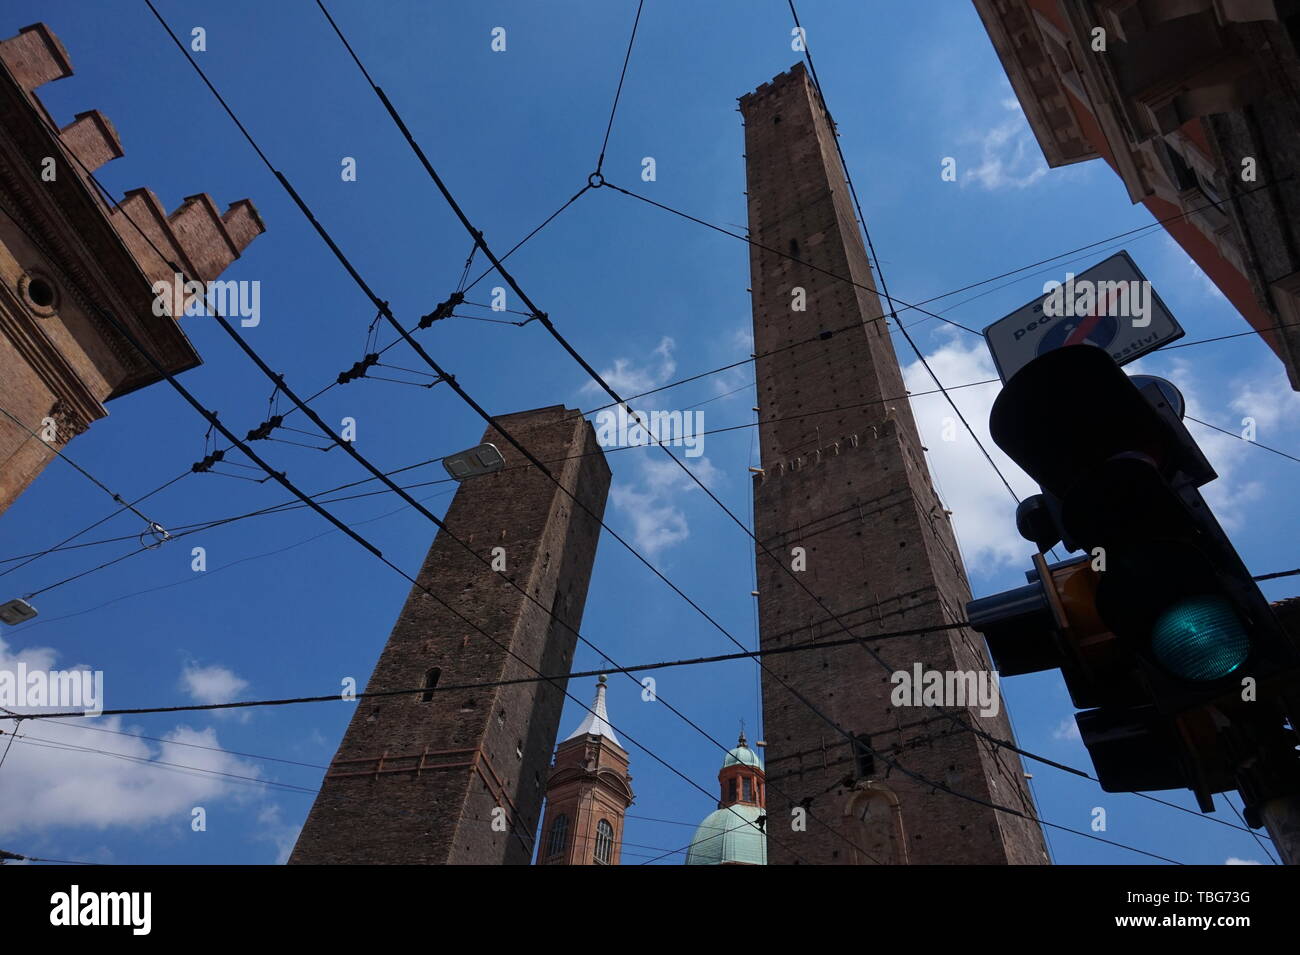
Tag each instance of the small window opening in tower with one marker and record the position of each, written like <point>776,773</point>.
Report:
<point>863,759</point>
<point>430,683</point>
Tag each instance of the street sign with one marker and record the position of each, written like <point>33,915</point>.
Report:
<point>1111,305</point>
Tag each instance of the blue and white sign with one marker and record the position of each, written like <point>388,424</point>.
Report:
<point>1111,305</point>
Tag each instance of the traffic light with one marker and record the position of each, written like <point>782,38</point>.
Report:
<point>1161,635</point>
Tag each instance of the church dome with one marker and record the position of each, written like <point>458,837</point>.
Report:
<point>729,836</point>
<point>742,756</point>
<point>733,834</point>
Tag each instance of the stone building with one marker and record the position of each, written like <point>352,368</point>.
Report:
<point>587,794</point>
<point>1195,106</point>
<point>68,258</point>
<point>844,492</point>
<point>455,773</point>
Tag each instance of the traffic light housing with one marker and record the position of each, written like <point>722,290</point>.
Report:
<point>1157,625</point>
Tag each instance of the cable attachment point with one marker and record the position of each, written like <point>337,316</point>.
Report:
<point>359,369</point>
<point>595,180</point>
<point>158,533</point>
<point>206,464</point>
<point>443,310</point>
<point>263,430</point>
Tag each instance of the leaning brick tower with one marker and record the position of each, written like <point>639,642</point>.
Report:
<point>421,778</point>
<point>844,478</point>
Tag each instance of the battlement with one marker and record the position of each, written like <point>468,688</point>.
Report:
<point>796,74</point>
<point>196,236</point>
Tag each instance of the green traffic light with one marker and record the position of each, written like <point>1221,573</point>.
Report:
<point>1201,639</point>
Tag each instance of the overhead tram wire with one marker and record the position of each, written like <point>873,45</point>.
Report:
<point>544,319</point>
<point>61,545</point>
<point>862,219</point>
<point>295,504</point>
<point>19,857</point>
<point>117,498</point>
<point>61,717</point>
<point>546,323</point>
<point>383,308</point>
<point>1233,434</point>
<point>882,291</point>
<point>388,315</point>
<point>572,199</point>
<point>251,457</point>
<point>889,301</point>
<point>609,127</point>
<point>282,479</point>
<point>283,387</point>
<point>313,397</point>
<point>183,530</point>
<point>183,768</point>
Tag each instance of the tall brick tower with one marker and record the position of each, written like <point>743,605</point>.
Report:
<point>587,794</point>
<point>417,778</point>
<point>843,478</point>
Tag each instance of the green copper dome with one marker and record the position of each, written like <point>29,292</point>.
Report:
<point>730,835</point>
<point>742,756</point>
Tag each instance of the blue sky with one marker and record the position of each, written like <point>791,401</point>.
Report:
<point>289,607</point>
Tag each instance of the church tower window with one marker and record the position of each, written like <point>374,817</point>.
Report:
<point>604,842</point>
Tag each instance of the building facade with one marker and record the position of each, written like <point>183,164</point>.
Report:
<point>844,498</point>
<point>68,258</point>
<point>456,776</point>
<point>587,793</point>
<point>1196,106</point>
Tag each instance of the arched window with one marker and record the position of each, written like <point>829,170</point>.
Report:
<point>746,788</point>
<point>604,842</point>
<point>430,683</point>
<point>559,836</point>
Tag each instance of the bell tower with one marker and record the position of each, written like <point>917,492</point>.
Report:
<point>587,793</point>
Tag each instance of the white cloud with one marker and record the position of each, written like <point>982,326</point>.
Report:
<point>1009,154</point>
<point>652,496</point>
<point>213,684</point>
<point>983,511</point>
<point>1231,495</point>
<point>276,831</point>
<point>1067,729</point>
<point>1233,860</point>
<point>53,780</point>
<point>629,378</point>
<point>653,502</point>
<point>1267,397</point>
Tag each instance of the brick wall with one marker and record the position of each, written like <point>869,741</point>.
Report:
<point>845,478</point>
<point>448,763</point>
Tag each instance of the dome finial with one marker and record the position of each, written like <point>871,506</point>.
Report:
<point>741,741</point>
